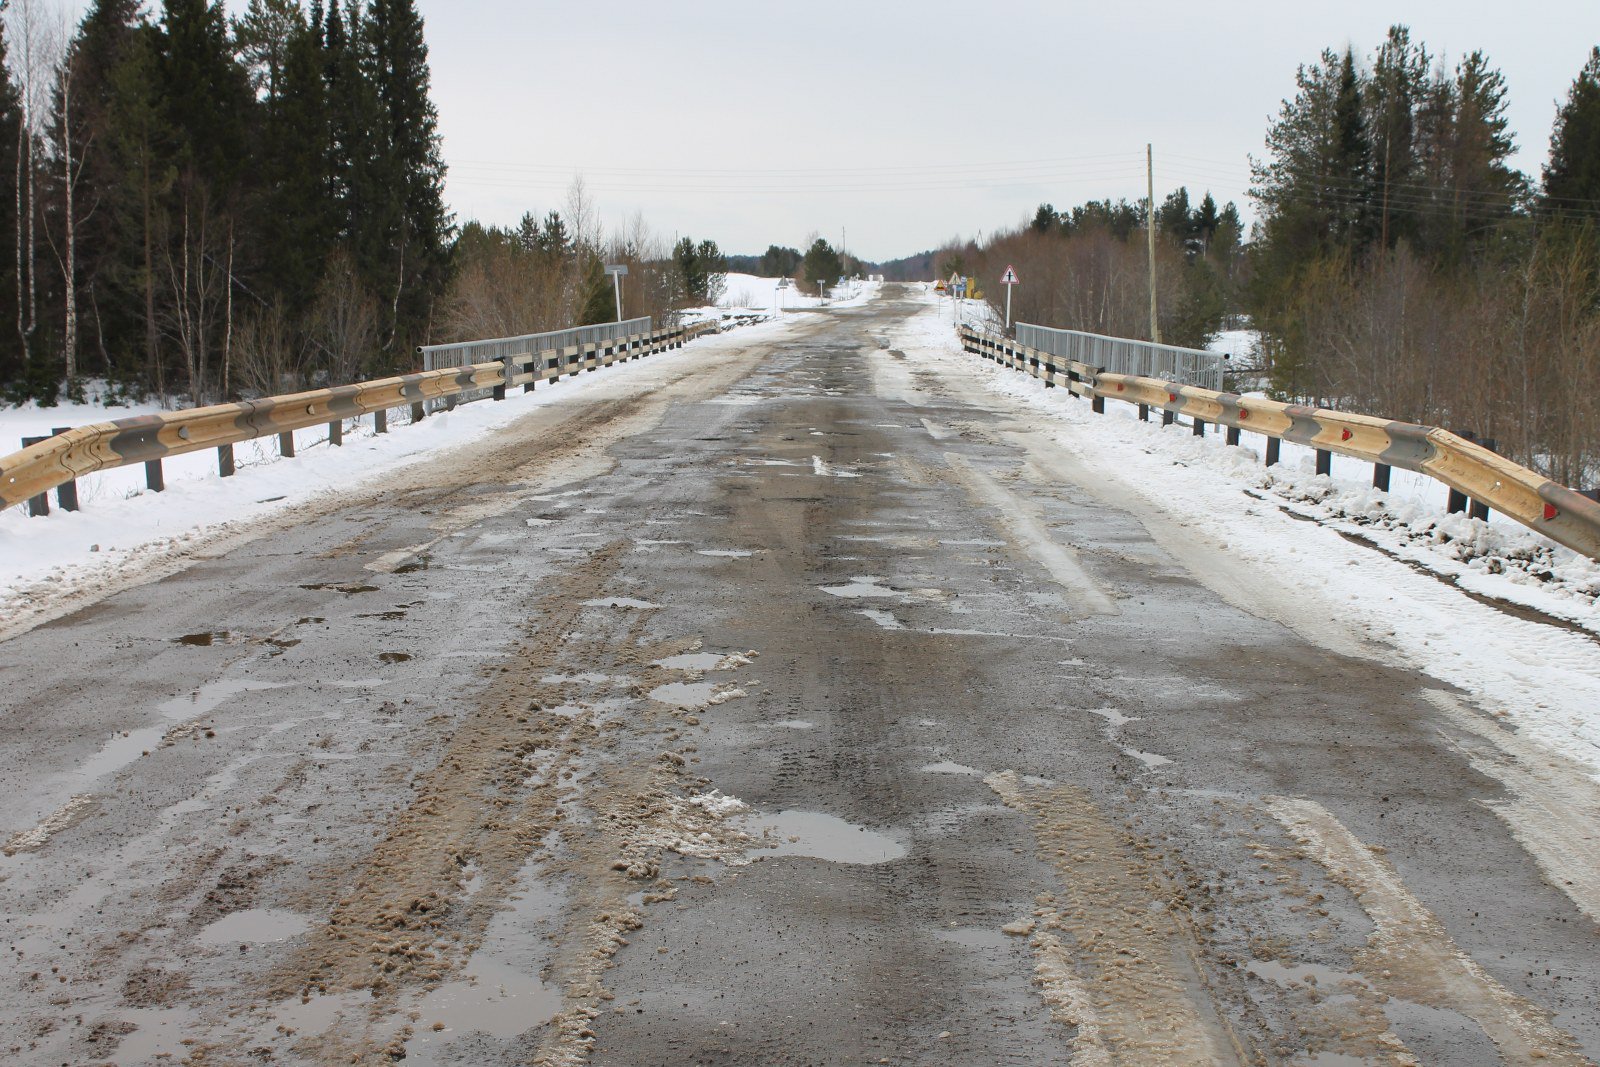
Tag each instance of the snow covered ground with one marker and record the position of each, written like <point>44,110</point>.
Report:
<point>748,299</point>
<point>1445,592</point>
<point>122,526</point>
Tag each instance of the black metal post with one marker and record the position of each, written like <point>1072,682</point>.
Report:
<point>418,412</point>
<point>1099,405</point>
<point>286,444</point>
<point>380,419</point>
<point>1144,412</point>
<point>1199,428</point>
<point>1324,461</point>
<point>336,432</point>
<point>1457,502</point>
<point>154,479</point>
<point>66,492</point>
<point>1380,476</point>
<point>1274,451</point>
<point>225,460</point>
<point>1168,417</point>
<point>1233,435</point>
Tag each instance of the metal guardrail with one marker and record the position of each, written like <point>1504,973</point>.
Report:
<point>1121,355</point>
<point>466,353</point>
<point>1478,478</point>
<point>58,460</point>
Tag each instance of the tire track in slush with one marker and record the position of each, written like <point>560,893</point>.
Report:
<point>1124,973</point>
<point>1409,954</point>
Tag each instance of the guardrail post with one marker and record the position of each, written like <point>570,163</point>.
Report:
<point>154,479</point>
<point>1457,502</point>
<point>380,420</point>
<point>1477,508</point>
<point>66,492</point>
<point>37,505</point>
<point>336,432</point>
<point>1168,417</point>
<point>500,391</point>
<point>1199,428</point>
<point>1233,435</point>
<point>225,460</point>
<point>1274,451</point>
<point>1324,462</point>
<point>1380,476</point>
<point>286,444</point>
<point>1098,405</point>
<point>418,412</point>
<point>1144,412</point>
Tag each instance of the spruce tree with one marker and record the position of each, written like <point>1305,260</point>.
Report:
<point>413,166</point>
<point>11,352</point>
<point>1572,177</point>
<point>599,302</point>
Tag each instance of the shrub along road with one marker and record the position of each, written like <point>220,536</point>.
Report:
<point>806,709</point>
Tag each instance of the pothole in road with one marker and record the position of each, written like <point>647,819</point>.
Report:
<point>254,926</point>
<point>203,640</point>
<point>496,999</point>
<point>818,835</point>
<point>884,619</point>
<point>693,694</point>
<point>862,587</point>
<point>626,602</point>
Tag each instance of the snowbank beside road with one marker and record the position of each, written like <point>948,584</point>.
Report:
<point>1334,556</point>
<point>123,528</point>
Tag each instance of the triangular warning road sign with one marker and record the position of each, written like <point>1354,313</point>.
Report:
<point>1009,277</point>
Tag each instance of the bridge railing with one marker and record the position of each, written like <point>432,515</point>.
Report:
<point>57,461</point>
<point>1479,478</point>
<point>1123,355</point>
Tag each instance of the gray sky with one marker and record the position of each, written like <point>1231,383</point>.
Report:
<point>909,123</point>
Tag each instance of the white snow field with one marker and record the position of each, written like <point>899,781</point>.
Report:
<point>1366,571</point>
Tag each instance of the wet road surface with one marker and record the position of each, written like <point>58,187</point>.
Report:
<point>802,710</point>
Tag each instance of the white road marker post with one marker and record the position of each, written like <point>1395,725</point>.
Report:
<point>617,270</point>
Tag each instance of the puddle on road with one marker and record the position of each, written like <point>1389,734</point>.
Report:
<point>693,694</point>
<point>254,926</point>
<point>203,640</point>
<point>724,553</point>
<point>341,587</point>
<point>160,1033</point>
<point>884,619</point>
<point>947,767</point>
<point>496,999</point>
<point>394,657</point>
<point>821,836</point>
<point>860,587</point>
<point>386,616</point>
<point>313,1017</point>
<point>619,602</point>
<point>794,724</point>
<point>692,661</point>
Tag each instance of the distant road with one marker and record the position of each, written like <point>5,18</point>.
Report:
<point>811,708</point>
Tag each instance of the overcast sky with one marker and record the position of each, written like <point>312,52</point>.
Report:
<point>904,124</point>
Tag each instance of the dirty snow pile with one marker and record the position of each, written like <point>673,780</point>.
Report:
<point>1336,556</point>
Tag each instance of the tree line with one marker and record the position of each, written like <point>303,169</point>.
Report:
<point>1403,267</point>
<point>1087,267</point>
<point>1399,265</point>
<point>203,206</point>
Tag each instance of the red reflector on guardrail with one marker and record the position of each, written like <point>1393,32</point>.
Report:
<point>1172,398</point>
<point>1243,414</point>
<point>1551,511</point>
<point>1121,387</point>
<point>1346,435</point>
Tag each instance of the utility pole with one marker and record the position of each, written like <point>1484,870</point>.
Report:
<point>1150,229</point>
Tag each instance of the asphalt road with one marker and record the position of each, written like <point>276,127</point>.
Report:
<point>807,708</point>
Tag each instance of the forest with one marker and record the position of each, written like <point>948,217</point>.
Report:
<point>204,208</point>
<point>1397,265</point>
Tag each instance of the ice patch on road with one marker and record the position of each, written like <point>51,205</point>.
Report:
<point>725,553</point>
<point>822,470</point>
<point>947,767</point>
<point>690,695</point>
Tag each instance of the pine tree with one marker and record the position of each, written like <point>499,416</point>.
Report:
<point>1393,94</point>
<point>1572,177</point>
<point>413,166</point>
<point>821,263</point>
<point>599,302</point>
<point>11,353</point>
